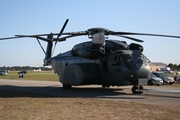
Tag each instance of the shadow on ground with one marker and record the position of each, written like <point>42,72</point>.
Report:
<point>15,91</point>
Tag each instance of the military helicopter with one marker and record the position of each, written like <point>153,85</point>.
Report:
<point>100,61</point>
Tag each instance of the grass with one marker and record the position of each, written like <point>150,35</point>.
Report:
<point>30,106</point>
<point>43,75</point>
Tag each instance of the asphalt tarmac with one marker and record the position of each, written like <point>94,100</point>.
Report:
<point>158,95</point>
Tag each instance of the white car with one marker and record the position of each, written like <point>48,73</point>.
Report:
<point>3,72</point>
<point>164,77</point>
<point>154,80</point>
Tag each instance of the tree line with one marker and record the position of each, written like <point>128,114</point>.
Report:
<point>20,68</point>
<point>174,66</point>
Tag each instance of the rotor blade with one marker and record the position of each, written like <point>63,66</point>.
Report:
<point>41,38</point>
<point>10,38</point>
<point>62,29</point>
<point>41,46</point>
<point>38,35</point>
<point>44,39</point>
<point>64,38</point>
<point>67,33</point>
<point>131,33</point>
<point>131,38</point>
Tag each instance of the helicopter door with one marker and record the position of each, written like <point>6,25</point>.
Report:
<point>105,65</point>
<point>115,76</point>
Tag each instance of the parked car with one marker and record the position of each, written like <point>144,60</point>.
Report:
<point>154,80</point>
<point>166,79</point>
<point>3,72</point>
<point>168,71</point>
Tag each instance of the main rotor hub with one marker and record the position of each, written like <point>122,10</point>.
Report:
<point>93,31</point>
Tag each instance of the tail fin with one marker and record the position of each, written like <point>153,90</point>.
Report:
<point>48,53</point>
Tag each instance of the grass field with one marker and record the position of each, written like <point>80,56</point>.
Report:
<point>13,106</point>
<point>43,75</point>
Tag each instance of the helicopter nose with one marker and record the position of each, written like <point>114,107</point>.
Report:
<point>144,71</point>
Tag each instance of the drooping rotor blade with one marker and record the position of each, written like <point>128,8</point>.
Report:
<point>9,38</point>
<point>146,34</point>
<point>64,38</point>
<point>131,38</point>
<point>44,39</point>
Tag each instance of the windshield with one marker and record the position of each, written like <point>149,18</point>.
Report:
<point>161,74</point>
<point>164,75</point>
<point>145,58</point>
<point>152,75</point>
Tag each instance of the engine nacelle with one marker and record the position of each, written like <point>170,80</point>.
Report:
<point>88,50</point>
<point>81,74</point>
<point>134,46</point>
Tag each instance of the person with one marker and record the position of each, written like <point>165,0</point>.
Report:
<point>20,75</point>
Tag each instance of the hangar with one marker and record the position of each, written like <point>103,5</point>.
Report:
<point>156,66</point>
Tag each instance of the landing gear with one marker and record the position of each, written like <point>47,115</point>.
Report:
<point>104,86</point>
<point>67,87</point>
<point>137,89</point>
<point>150,82</point>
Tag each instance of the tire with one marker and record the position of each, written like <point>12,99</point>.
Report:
<point>140,88</point>
<point>134,88</point>
<point>179,80</point>
<point>170,83</point>
<point>67,87</point>
<point>150,82</point>
<point>103,86</point>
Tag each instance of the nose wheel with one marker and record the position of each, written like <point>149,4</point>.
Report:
<point>137,89</point>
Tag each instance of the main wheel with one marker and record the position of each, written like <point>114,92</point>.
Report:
<point>137,89</point>
<point>104,86</point>
<point>67,87</point>
<point>140,89</point>
<point>134,89</point>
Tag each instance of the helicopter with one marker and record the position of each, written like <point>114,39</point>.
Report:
<point>101,61</point>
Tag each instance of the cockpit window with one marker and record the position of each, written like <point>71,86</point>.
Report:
<point>136,56</point>
<point>145,58</point>
<point>126,57</point>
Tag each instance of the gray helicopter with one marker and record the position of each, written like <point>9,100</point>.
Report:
<point>101,61</point>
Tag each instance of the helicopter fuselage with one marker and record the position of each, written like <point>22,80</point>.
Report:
<point>119,66</point>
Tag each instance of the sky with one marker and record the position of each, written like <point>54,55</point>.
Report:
<point>29,17</point>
